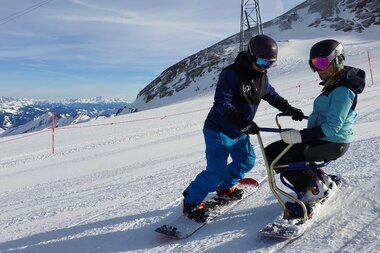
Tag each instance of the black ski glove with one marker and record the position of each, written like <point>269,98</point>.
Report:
<point>251,128</point>
<point>296,113</point>
<point>246,126</point>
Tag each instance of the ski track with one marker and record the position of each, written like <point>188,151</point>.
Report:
<point>108,189</point>
<point>90,147</point>
<point>108,198</point>
<point>96,190</point>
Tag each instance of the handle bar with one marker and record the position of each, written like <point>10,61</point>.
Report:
<point>284,114</point>
<point>272,130</point>
<point>279,129</point>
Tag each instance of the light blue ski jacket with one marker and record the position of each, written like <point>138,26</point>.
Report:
<point>334,109</point>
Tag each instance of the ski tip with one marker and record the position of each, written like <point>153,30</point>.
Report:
<point>285,229</point>
<point>249,181</point>
<point>168,231</point>
<point>278,236</point>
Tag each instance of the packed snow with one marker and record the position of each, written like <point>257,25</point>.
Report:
<point>111,182</point>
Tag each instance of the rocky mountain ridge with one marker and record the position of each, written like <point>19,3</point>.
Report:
<point>198,73</point>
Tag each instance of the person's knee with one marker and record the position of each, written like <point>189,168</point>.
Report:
<point>248,164</point>
<point>327,152</point>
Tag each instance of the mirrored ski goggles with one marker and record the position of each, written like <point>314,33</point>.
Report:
<point>320,63</point>
<point>264,63</point>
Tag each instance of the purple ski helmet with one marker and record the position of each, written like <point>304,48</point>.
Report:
<point>262,46</point>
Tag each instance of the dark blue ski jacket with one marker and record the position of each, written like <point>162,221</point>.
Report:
<point>237,97</point>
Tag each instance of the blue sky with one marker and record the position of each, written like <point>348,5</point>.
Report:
<point>114,48</point>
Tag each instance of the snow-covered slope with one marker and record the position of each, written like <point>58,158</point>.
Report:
<point>112,182</point>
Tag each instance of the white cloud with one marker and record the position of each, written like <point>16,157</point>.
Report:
<point>163,25</point>
<point>135,35</point>
<point>91,5</point>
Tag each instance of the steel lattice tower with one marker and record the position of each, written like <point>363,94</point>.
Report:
<point>249,17</point>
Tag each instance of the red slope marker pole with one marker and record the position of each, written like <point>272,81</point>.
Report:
<point>370,67</point>
<point>52,133</point>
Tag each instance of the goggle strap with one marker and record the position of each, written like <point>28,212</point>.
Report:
<point>333,54</point>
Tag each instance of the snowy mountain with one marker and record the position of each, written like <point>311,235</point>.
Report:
<point>26,115</point>
<point>198,73</point>
<point>338,15</point>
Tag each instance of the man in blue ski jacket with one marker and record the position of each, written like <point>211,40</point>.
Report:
<point>241,87</point>
<point>329,129</point>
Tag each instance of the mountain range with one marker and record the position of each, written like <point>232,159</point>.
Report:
<point>26,115</point>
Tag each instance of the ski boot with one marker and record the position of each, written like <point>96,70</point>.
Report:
<point>196,212</point>
<point>315,193</point>
<point>326,179</point>
<point>294,211</point>
<point>229,194</point>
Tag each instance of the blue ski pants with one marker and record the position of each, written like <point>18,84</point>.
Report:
<point>219,174</point>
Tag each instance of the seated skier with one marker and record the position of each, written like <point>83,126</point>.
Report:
<point>329,129</point>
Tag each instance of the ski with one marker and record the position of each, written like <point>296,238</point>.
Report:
<point>294,228</point>
<point>184,227</point>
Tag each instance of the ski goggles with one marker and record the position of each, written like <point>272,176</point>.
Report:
<point>264,63</point>
<point>323,62</point>
<point>320,63</point>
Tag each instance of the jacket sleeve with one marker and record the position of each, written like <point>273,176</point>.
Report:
<point>274,99</point>
<point>226,88</point>
<point>341,102</point>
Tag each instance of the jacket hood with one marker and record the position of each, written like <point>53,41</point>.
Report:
<point>243,64</point>
<point>352,78</point>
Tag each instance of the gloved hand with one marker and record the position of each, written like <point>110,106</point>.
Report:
<point>296,113</point>
<point>291,136</point>
<point>251,128</point>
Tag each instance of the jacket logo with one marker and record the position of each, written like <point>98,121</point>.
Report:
<point>246,88</point>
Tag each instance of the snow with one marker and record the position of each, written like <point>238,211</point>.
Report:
<point>111,182</point>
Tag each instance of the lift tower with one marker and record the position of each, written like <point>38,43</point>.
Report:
<point>249,17</point>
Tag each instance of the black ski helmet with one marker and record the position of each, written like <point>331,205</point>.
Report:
<point>262,46</point>
<point>329,48</point>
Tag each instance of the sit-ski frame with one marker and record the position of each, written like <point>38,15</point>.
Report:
<point>286,167</point>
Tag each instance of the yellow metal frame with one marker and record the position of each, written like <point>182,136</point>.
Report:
<point>272,178</point>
